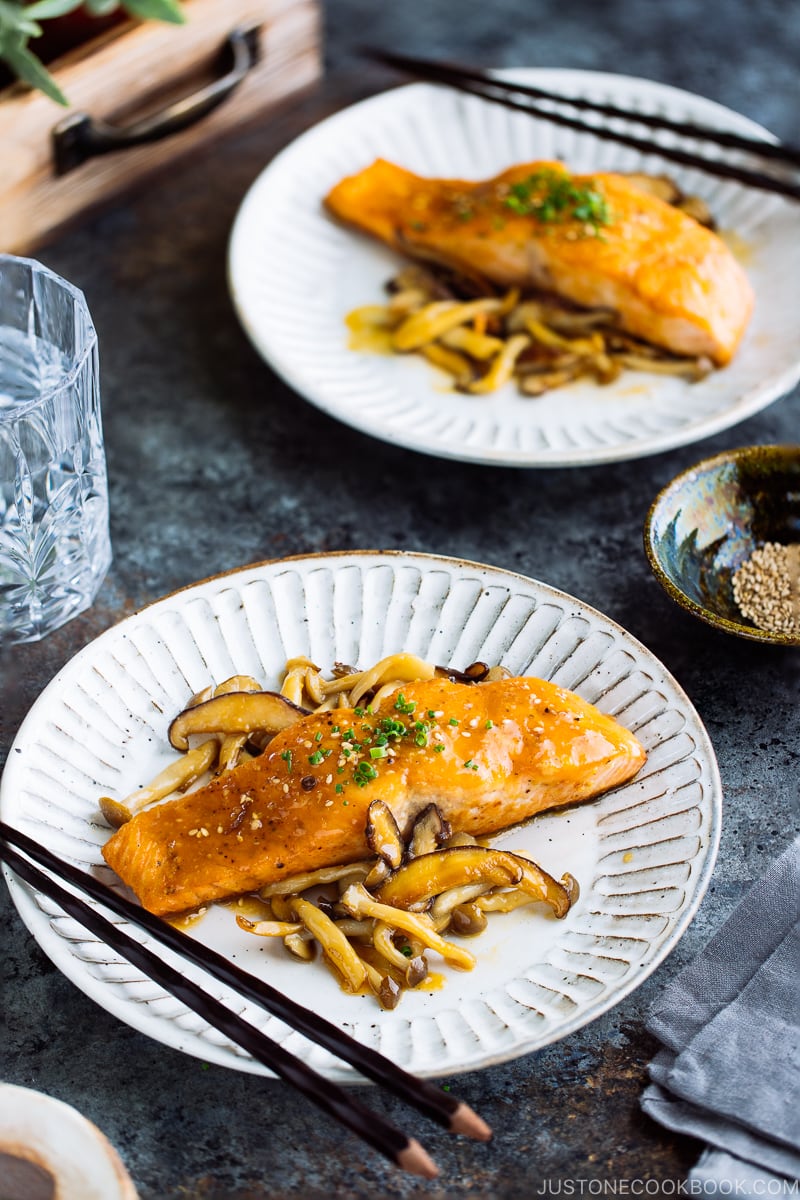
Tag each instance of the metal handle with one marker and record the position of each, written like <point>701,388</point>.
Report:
<point>80,137</point>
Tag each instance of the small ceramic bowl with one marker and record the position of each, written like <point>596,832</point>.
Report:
<point>48,1150</point>
<point>709,520</point>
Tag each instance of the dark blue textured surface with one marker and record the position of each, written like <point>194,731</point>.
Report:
<point>214,463</point>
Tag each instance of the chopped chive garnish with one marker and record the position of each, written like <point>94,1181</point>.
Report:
<point>438,748</point>
<point>339,789</point>
<point>452,721</point>
<point>286,755</point>
<point>378,752</point>
<point>318,736</point>
<point>364,773</point>
<point>316,758</point>
<point>553,196</point>
<point>490,724</point>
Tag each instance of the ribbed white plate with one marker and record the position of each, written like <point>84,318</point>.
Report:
<point>295,273</point>
<point>643,854</point>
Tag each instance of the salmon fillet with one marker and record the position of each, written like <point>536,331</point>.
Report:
<point>489,755</point>
<point>669,280</point>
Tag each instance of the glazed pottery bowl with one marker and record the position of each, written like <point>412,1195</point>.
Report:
<point>50,1151</point>
<point>704,525</point>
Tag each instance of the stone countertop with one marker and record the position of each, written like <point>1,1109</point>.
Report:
<point>214,463</point>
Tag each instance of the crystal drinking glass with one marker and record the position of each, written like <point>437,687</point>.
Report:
<point>54,539</point>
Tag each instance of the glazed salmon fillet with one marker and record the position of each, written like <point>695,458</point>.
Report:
<point>668,279</point>
<point>489,755</point>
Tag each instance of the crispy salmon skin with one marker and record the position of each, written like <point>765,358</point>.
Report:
<point>489,755</point>
<point>668,279</point>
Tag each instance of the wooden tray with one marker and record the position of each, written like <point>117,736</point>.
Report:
<point>231,62</point>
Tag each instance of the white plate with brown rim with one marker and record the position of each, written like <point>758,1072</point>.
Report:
<point>643,854</point>
<point>295,274</point>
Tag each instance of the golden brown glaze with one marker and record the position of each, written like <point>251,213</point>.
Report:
<point>669,280</point>
<point>489,755</point>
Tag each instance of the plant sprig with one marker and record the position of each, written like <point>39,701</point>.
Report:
<point>20,23</point>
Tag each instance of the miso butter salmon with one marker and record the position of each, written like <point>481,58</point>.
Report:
<point>598,241</point>
<point>489,755</point>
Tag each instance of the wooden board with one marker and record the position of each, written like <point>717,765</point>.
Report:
<point>134,71</point>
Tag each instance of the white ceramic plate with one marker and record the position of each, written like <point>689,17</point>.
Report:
<point>294,275</point>
<point>643,854</point>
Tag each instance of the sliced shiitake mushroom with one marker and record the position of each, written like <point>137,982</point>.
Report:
<point>497,672</point>
<point>380,870</point>
<point>475,673</point>
<point>429,832</point>
<point>660,186</point>
<point>235,712</point>
<point>696,207</point>
<point>540,885</point>
<point>382,835</point>
<point>420,879</point>
<point>233,744</point>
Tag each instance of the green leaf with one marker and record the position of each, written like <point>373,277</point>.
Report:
<point>14,20</point>
<point>26,66</point>
<point>101,8</point>
<point>156,10</point>
<point>44,10</point>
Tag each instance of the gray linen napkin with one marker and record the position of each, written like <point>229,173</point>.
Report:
<point>719,1174</point>
<point>730,1025</point>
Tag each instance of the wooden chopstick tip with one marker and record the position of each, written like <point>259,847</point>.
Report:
<point>415,1159</point>
<point>465,1120</point>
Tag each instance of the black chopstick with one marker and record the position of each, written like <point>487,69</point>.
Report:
<point>782,151</point>
<point>442,1107</point>
<point>485,86</point>
<point>374,1129</point>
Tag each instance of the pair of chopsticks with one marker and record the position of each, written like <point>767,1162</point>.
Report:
<point>522,97</point>
<point>377,1131</point>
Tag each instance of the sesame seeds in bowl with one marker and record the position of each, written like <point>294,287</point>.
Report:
<point>723,540</point>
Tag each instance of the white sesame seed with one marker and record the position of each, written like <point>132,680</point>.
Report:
<point>766,588</point>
